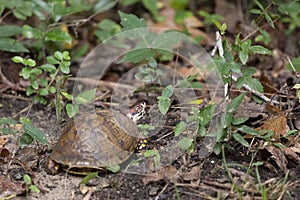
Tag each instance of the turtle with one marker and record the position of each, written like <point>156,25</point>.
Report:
<point>96,140</point>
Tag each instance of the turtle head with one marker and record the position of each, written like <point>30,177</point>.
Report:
<point>137,112</point>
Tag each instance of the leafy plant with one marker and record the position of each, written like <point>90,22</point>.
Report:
<point>52,83</point>
<point>29,132</point>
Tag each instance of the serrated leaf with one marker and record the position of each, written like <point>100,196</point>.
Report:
<point>167,40</point>
<point>180,127</point>
<point>35,133</point>
<point>235,103</point>
<point>248,71</point>
<point>185,143</point>
<point>243,55</point>
<point>138,55</point>
<point>31,32</point>
<point>11,45</point>
<point>130,21</point>
<point>9,30</point>
<point>246,44</point>
<point>260,50</point>
<point>240,139</point>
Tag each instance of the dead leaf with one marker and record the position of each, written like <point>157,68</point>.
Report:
<point>278,125</point>
<point>278,156</point>
<point>194,174</point>
<point>168,173</point>
<point>8,187</point>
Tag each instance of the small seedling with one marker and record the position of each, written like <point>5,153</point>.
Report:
<point>29,186</point>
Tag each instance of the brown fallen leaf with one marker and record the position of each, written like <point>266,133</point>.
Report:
<point>278,125</point>
<point>168,173</point>
<point>8,187</point>
<point>194,174</point>
<point>278,156</point>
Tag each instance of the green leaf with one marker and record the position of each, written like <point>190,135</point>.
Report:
<point>31,32</point>
<point>58,55</point>
<point>7,131</point>
<point>235,103</point>
<point>72,110</point>
<point>9,30</point>
<point>34,188</point>
<point>27,179</point>
<point>260,50</point>
<point>25,139</point>
<point>48,67</point>
<point>137,55</point>
<point>163,104</point>
<point>67,95</point>
<point>206,114</point>
<point>44,82</point>
<point>243,55</point>
<point>239,120</point>
<point>35,133</point>
<point>113,168</point>
<point>25,72</point>
<point>43,92</point>
<point>64,67</point>
<point>52,60</point>
<point>168,91</point>
<point>31,63</point>
<point>52,89</point>
<point>202,131</point>
<point>29,90</point>
<point>240,139</point>
<point>246,44</point>
<point>247,129</point>
<point>226,119</point>
<point>167,40</point>
<point>180,127</point>
<point>85,96</point>
<point>87,178</point>
<point>255,11</point>
<point>104,5</point>
<point>130,21</point>
<point>185,143</point>
<point>253,83</point>
<point>11,45</point>
<point>217,148</point>
<point>249,71</point>
<point>259,4</point>
<point>8,121</point>
<point>57,35</point>
<point>18,59</point>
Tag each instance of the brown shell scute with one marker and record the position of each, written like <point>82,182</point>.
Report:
<point>97,140</point>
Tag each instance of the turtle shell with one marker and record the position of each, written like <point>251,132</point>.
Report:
<point>96,140</point>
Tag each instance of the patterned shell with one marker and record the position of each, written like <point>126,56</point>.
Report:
<point>96,140</point>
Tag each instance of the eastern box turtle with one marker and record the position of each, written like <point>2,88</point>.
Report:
<point>96,140</point>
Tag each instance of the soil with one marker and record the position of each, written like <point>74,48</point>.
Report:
<point>212,181</point>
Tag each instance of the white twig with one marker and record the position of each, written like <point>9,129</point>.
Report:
<point>220,49</point>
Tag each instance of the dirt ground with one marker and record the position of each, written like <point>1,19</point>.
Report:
<point>209,177</point>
